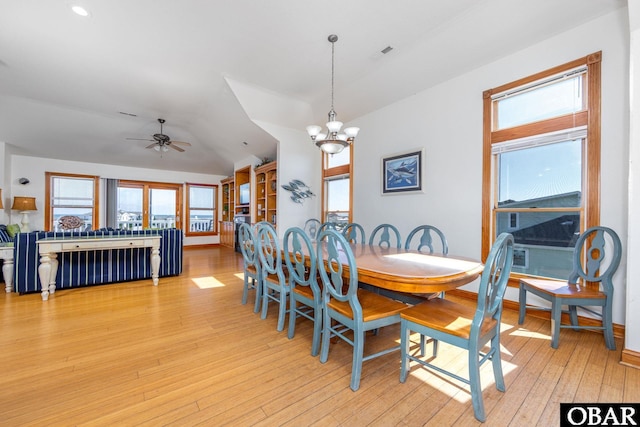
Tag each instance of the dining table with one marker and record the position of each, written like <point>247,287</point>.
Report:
<point>410,271</point>
<point>405,272</point>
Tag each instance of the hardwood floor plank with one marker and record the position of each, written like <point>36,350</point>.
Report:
<point>188,353</point>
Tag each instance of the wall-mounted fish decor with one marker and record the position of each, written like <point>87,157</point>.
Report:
<point>299,190</point>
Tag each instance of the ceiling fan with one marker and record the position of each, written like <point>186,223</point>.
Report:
<point>162,142</point>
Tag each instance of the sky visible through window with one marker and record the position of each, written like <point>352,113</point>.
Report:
<point>542,171</point>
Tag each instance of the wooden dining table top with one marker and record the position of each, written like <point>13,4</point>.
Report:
<point>411,271</point>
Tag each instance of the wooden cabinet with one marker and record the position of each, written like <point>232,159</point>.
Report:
<point>243,193</point>
<point>228,206</point>
<point>227,234</point>
<point>266,201</point>
<point>228,192</point>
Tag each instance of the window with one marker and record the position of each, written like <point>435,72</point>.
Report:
<point>149,205</point>
<point>541,162</point>
<point>201,209</point>
<point>337,187</point>
<point>74,195</point>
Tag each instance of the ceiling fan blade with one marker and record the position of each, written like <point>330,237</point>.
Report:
<point>151,145</point>
<point>176,147</point>
<point>139,139</point>
<point>186,144</point>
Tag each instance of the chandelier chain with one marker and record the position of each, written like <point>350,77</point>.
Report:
<point>333,45</point>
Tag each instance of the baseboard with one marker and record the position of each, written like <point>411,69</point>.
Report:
<point>203,246</point>
<point>630,358</point>
<point>618,330</point>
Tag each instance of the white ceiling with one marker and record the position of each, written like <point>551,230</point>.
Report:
<point>65,79</point>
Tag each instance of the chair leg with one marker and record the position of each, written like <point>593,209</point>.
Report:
<point>423,345</point>
<point>258,286</point>
<point>607,323</point>
<point>405,334</point>
<point>358,353</point>
<point>292,318</point>
<point>265,302</point>
<point>474,383</point>
<point>496,362</point>
<point>522,302</point>
<point>326,335</point>
<point>556,313</point>
<point>282,310</point>
<point>245,291</point>
<point>317,330</point>
<point>573,316</point>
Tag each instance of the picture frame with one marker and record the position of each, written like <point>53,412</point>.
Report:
<point>402,172</point>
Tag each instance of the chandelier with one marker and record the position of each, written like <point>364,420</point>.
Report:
<point>332,141</point>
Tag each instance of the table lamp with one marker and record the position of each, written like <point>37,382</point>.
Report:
<point>24,205</point>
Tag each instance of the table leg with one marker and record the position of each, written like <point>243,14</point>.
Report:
<point>54,272</point>
<point>44,272</point>
<point>7,272</point>
<point>155,265</point>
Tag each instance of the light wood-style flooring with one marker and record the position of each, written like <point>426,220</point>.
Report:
<point>188,353</point>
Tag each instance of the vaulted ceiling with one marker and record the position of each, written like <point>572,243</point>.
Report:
<point>76,87</point>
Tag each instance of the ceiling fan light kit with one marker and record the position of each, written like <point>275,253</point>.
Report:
<point>162,142</point>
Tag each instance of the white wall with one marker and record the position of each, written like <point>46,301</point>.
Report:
<point>284,118</point>
<point>298,158</point>
<point>34,169</point>
<point>447,121</point>
<point>632,330</point>
<point>4,178</point>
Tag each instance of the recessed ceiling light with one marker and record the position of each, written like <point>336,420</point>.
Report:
<point>79,10</point>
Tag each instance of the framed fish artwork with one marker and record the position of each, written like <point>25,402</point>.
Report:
<point>402,173</point>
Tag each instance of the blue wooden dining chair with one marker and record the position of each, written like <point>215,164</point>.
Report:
<point>275,283</point>
<point>470,328</point>
<point>305,296</point>
<point>354,233</point>
<point>351,308</point>
<point>588,266</point>
<point>312,227</point>
<point>428,239</point>
<point>259,224</point>
<point>325,226</point>
<point>385,235</point>
<point>251,261</point>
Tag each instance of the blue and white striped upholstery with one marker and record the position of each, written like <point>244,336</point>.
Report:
<point>77,269</point>
<point>4,236</point>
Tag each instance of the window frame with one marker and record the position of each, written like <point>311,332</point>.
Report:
<point>146,187</point>
<point>589,117</point>
<point>187,216</point>
<point>48,197</point>
<point>333,173</point>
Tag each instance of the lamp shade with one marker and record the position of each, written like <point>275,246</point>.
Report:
<point>24,203</point>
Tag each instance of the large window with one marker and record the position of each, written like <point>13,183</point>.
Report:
<point>149,205</point>
<point>71,195</point>
<point>542,164</point>
<point>337,187</point>
<point>201,209</point>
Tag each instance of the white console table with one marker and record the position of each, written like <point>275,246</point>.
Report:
<point>49,247</point>
<point>6,254</point>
